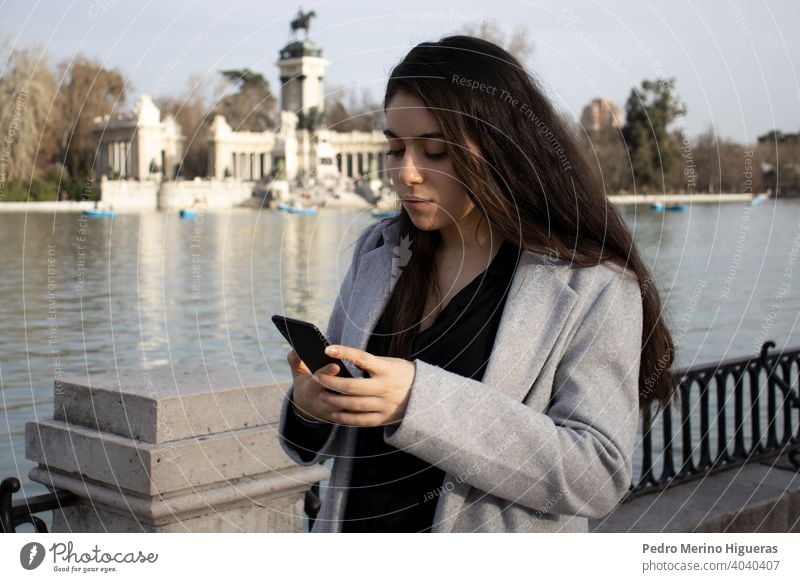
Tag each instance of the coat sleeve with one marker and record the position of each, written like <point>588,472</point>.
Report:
<point>577,452</point>
<point>307,445</point>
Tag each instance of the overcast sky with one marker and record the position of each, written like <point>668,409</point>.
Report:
<point>734,60</point>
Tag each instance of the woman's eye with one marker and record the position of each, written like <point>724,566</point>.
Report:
<point>430,155</point>
<point>436,155</point>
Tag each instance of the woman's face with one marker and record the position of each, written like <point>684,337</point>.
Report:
<point>421,168</point>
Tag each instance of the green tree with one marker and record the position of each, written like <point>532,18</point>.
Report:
<point>251,106</point>
<point>654,153</point>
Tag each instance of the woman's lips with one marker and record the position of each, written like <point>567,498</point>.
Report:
<point>415,202</point>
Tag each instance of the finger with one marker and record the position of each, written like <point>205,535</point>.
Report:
<point>363,360</point>
<point>329,369</point>
<point>343,402</point>
<point>297,365</point>
<point>358,418</point>
<point>349,386</point>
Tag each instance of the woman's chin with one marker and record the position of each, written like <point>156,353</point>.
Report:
<point>425,225</point>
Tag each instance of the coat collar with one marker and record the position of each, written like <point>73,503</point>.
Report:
<point>370,291</point>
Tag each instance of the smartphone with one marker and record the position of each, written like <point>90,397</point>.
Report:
<point>309,343</point>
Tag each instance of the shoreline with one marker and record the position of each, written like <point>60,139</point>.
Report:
<point>619,199</point>
<point>681,198</point>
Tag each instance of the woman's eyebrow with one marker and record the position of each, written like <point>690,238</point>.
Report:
<point>429,135</point>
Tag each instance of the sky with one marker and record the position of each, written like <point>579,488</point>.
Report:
<point>733,60</point>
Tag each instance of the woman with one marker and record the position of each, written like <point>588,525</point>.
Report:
<point>502,329</point>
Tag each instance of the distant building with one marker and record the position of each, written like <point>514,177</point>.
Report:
<point>138,145</point>
<point>300,147</point>
<point>301,144</point>
<point>601,114</point>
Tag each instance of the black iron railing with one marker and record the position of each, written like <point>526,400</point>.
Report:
<point>731,413</point>
<point>724,422</point>
<point>15,513</point>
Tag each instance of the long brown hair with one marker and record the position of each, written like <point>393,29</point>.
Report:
<point>530,182</point>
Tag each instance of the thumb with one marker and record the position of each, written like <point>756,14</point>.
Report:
<point>297,365</point>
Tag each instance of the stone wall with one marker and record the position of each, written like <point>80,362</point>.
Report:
<point>63,206</point>
<point>203,193</point>
<point>134,195</point>
<point>128,194</point>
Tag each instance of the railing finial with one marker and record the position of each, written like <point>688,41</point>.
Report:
<point>8,487</point>
<point>765,347</point>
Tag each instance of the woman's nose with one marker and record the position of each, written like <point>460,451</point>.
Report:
<point>410,171</point>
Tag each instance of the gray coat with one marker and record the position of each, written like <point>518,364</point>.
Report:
<point>544,441</point>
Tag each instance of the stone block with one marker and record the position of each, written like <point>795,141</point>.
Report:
<point>163,405</point>
<point>151,469</point>
<point>260,503</point>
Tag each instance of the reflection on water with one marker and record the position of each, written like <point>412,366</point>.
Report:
<point>94,295</point>
<point>139,291</point>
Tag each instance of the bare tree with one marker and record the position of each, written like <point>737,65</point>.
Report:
<point>515,41</point>
<point>191,112</point>
<point>718,165</point>
<point>348,109</point>
<point>351,109</point>
<point>605,151</point>
<point>86,91</point>
<point>777,154</point>
<point>27,89</point>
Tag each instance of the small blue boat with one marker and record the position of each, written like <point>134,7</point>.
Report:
<point>659,207</point>
<point>100,213</point>
<point>295,209</point>
<point>188,213</point>
<point>384,213</point>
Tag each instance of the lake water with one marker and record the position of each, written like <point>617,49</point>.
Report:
<point>81,296</point>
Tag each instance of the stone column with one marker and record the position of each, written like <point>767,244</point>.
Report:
<point>170,450</point>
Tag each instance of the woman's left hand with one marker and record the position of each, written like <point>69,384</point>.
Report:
<point>378,400</point>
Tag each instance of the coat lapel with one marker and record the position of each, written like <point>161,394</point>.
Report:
<point>537,308</point>
<point>370,293</point>
<point>371,290</point>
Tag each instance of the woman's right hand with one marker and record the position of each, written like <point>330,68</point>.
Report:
<point>305,397</point>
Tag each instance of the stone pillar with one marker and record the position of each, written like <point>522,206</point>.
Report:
<point>170,450</point>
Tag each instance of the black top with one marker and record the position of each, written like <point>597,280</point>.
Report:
<point>391,490</point>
